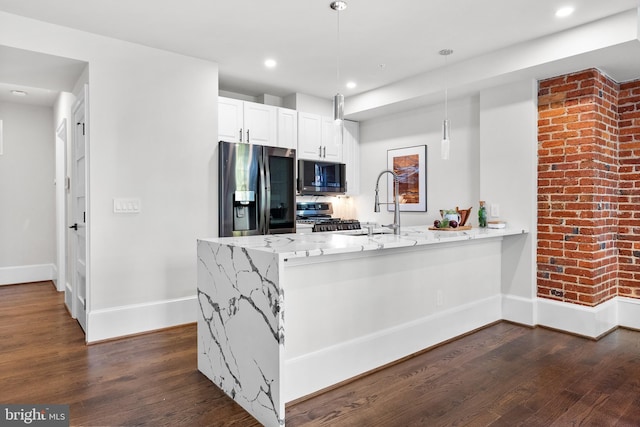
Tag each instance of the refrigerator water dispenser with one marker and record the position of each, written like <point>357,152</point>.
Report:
<point>244,211</point>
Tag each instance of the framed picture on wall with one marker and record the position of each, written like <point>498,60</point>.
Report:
<point>410,164</point>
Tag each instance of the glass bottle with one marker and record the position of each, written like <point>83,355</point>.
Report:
<point>482,215</point>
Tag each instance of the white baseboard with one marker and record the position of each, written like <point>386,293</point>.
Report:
<point>629,312</point>
<point>519,310</point>
<point>590,322</point>
<point>136,318</point>
<point>68,291</point>
<point>27,274</point>
<point>56,281</point>
<point>314,371</point>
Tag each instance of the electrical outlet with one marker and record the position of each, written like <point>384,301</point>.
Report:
<point>495,210</point>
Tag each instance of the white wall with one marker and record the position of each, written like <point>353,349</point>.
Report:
<point>508,176</point>
<point>153,133</point>
<point>27,209</point>
<point>450,183</point>
<point>309,104</point>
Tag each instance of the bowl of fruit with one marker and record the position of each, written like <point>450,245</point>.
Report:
<point>451,220</point>
<point>445,223</point>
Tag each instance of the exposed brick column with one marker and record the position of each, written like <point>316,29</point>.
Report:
<point>577,188</point>
<point>629,215</point>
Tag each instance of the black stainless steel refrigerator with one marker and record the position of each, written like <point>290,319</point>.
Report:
<point>257,193</point>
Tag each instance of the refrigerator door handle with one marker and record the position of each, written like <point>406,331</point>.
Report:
<point>267,194</point>
<point>264,196</point>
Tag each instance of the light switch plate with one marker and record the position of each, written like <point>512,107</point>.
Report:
<point>495,210</point>
<point>128,205</point>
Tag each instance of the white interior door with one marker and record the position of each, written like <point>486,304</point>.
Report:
<point>61,211</point>
<point>79,213</point>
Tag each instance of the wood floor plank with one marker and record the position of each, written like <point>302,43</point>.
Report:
<point>503,375</point>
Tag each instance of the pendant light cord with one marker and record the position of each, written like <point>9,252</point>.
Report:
<point>338,54</point>
<point>446,53</point>
<point>446,89</point>
<point>338,99</point>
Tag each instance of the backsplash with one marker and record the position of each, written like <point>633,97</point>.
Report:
<point>343,206</point>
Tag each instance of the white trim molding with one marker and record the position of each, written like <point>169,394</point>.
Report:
<point>629,312</point>
<point>519,310</point>
<point>138,318</point>
<point>27,274</point>
<point>591,322</point>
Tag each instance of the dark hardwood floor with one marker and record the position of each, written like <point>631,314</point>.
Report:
<point>503,375</point>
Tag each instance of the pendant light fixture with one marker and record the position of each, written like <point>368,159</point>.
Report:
<point>444,145</point>
<point>338,99</point>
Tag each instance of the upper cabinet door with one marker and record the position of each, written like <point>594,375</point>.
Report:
<point>287,128</point>
<point>230,120</point>
<point>260,124</point>
<point>331,140</point>
<point>309,136</point>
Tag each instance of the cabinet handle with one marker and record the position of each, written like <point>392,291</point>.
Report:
<point>248,136</point>
<point>320,151</point>
<point>240,136</point>
<point>324,152</point>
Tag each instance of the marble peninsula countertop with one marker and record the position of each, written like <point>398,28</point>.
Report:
<point>301,245</point>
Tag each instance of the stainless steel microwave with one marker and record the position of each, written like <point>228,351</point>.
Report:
<point>320,178</point>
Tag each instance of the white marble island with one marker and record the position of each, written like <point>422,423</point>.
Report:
<point>283,316</point>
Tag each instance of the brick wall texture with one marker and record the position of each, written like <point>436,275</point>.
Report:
<point>588,188</point>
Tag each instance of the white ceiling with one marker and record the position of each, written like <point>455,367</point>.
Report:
<point>404,35</point>
<point>41,76</point>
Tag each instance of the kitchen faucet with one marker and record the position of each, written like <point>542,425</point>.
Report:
<point>396,201</point>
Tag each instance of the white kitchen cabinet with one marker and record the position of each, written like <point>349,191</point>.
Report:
<point>331,140</point>
<point>261,124</point>
<point>287,128</point>
<point>309,136</point>
<point>351,156</point>
<point>230,119</point>
<point>250,122</point>
<point>318,138</point>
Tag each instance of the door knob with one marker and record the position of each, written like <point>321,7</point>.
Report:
<point>74,226</point>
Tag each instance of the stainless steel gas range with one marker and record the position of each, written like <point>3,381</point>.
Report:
<point>317,216</point>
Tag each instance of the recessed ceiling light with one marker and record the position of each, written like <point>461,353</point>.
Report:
<point>270,63</point>
<point>351,85</point>
<point>564,11</point>
<point>19,92</point>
